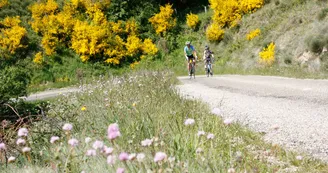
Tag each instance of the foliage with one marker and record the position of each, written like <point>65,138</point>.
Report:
<point>38,59</point>
<point>316,43</point>
<point>3,3</point>
<point>251,35</point>
<point>214,32</point>
<point>95,38</point>
<point>164,20</point>
<point>192,20</point>
<point>148,47</point>
<point>322,14</point>
<point>229,12</point>
<point>11,34</point>
<point>13,83</point>
<point>267,55</point>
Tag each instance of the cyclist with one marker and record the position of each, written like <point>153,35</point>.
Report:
<point>190,54</point>
<point>208,58</point>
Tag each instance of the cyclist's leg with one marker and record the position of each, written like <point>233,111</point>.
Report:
<point>189,65</point>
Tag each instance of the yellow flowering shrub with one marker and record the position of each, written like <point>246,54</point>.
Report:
<point>49,43</point>
<point>116,52</point>
<point>82,25</point>
<point>97,16</point>
<point>38,59</point>
<point>267,55</point>
<point>253,34</point>
<point>11,21</point>
<point>117,27</point>
<point>229,12</point>
<point>11,36</point>
<point>134,64</point>
<point>214,32</point>
<point>133,44</point>
<point>149,47</point>
<point>100,4</point>
<point>249,6</point>
<point>87,39</point>
<point>3,3</point>
<point>164,20</point>
<point>192,20</point>
<point>131,27</point>
<point>53,25</point>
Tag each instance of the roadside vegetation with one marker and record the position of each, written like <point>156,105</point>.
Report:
<point>140,123</point>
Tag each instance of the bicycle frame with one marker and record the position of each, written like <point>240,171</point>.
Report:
<point>191,67</point>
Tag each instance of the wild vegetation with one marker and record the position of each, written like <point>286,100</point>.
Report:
<point>116,125</point>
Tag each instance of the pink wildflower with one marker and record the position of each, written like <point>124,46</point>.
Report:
<point>189,121</point>
<point>67,127</point>
<point>275,127</point>
<point>20,141</point>
<point>26,149</point>
<point>108,150</point>
<point>228,121</point>
<point>53,139</point>
<point>231,170</point>
<point>159,156</point>
<point>123,156</point>
<point>73,142</point>
<point>113,131</point>
<point>87,140</point>
<point>111,160</point>
<point>199,150</point>
<point>299,158</point>
<point>141,157</point>
<point>146,142</point>
<point>210,136</point>
<point>120,170</point>
<point>91,153</point>
<point>216,111</point>
<point>200,133</point>
<point>22,132</point>
<point>2,146</point>
<point>98,145</point>
<point>132,156</point>
<point>11,159</point>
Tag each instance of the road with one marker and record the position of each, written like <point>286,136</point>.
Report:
<point>290,112</point>
<point>49,94</point>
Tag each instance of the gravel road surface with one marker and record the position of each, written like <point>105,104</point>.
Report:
<point>290,112</point>
<point>50,94</point>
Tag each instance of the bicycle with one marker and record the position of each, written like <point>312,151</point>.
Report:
<point>192,68</point>
<point>208,68</point>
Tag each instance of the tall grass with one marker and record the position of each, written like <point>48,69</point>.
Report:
<point>146,106</point>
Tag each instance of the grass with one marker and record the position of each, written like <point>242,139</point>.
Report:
<point>146,105</point>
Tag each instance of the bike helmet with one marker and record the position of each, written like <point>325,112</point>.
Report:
<point>187,42</point>
<point>207,48</point>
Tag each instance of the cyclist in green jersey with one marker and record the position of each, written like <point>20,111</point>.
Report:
<point>190,53</point>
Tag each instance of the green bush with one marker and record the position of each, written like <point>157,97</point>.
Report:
<point>322,14</point>
<point>316,44</point>
<point>13,83</point>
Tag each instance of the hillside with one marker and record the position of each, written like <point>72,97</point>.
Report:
<point>297,28</point>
